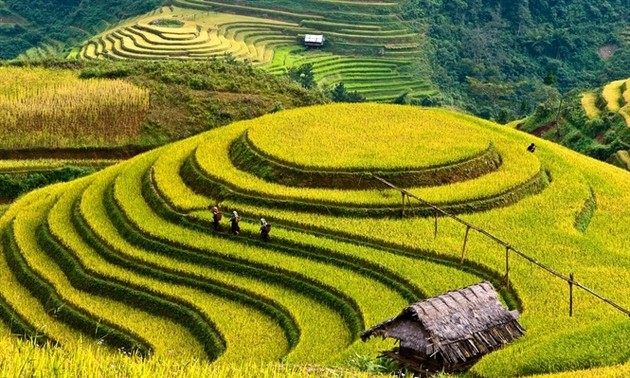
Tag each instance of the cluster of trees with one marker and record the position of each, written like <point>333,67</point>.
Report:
<point>12,185</point>
<point>492,56</point>
<point>338,93</point>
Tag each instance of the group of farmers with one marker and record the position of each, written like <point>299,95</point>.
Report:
<point>265,227</point>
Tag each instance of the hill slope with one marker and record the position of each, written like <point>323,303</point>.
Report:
<point>487,56</point>
<point>61,104</point>
<point>140,233</point>
<point>367,47</point>
<point>595,123</point>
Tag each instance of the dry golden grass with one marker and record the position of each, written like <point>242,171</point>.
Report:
<point>54,108</point>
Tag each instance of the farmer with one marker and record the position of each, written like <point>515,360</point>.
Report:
<point>216,217</point>
<point>234,227</point>
<point>531,147</point>
<point>265,227</point>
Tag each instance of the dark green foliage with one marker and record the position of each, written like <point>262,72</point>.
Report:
<point>303,75</point>
<point>511,50</point>
<point>191,97</point>
<point>505,43</point>
<point>583,218</point>
<point>341,94</point>
<point>600,137</point>
<point>12,185</point>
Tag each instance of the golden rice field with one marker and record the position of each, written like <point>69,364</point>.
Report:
<point>614,97</point>
<point>127,258</point>
<point>368,48</point>
<point>589,103</point>
<point>54,108</point>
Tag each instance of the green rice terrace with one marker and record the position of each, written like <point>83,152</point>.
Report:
<point>367,47</point>
<point>613,98</point>
<point>127,257</point>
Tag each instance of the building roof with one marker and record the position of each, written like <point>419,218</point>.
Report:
<point>314,38</point>
<point>459,325</point>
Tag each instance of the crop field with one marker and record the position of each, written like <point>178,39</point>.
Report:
<point>368,48</point>
<point>54,108</point>
<point>614,97</point>
<point>127,258</point>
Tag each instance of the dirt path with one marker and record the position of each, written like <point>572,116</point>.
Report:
<point>544,128</point>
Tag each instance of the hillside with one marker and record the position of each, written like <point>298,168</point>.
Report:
<point>370,51</point>
<point>494,56</point>
<point>487,56</point>
<point>128,255</point>
<point>60,104</point>
<point>595,123</point>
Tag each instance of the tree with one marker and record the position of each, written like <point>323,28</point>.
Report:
<point>303,75</point>
<point>341,94</point>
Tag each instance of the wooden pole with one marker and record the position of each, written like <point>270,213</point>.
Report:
<point>435,228</point>
<point>500,241</point>
<point>403,204</point>
<point>571,294</point>
<point>507,266</point>
<point>464,246</point>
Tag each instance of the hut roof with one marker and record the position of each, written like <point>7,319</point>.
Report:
<point>460,325</point>
<point>316,39</point>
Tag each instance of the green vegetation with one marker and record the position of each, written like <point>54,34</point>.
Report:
<point>495,57</point>
<point>372,54</point>
<point>12,185</point>
<point>131,249</point>
<point>595,123</point>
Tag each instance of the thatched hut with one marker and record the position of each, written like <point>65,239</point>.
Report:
<point>449,332</point>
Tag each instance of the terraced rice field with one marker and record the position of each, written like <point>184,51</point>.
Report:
<point>368,48</point>
<point>128,256</point>
<point>614,97</point>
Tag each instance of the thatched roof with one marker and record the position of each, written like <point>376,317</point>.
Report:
<point>458,326</point>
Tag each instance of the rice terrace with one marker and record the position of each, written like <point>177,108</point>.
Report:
<point>128,257</point>
<point>369,52</point>
<point>314,188</point>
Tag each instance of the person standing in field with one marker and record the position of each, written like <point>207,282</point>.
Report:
<point>234,227</point>
<point>265,227</point>
<point>531,147</point>
<point>216,217</point>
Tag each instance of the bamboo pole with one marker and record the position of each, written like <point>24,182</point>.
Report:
<point>464,246</point>
<point>435,226</point>
<point>507,266</point>
<point>403,204</point>
<point>501,242</point>
<point>571,294</point>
